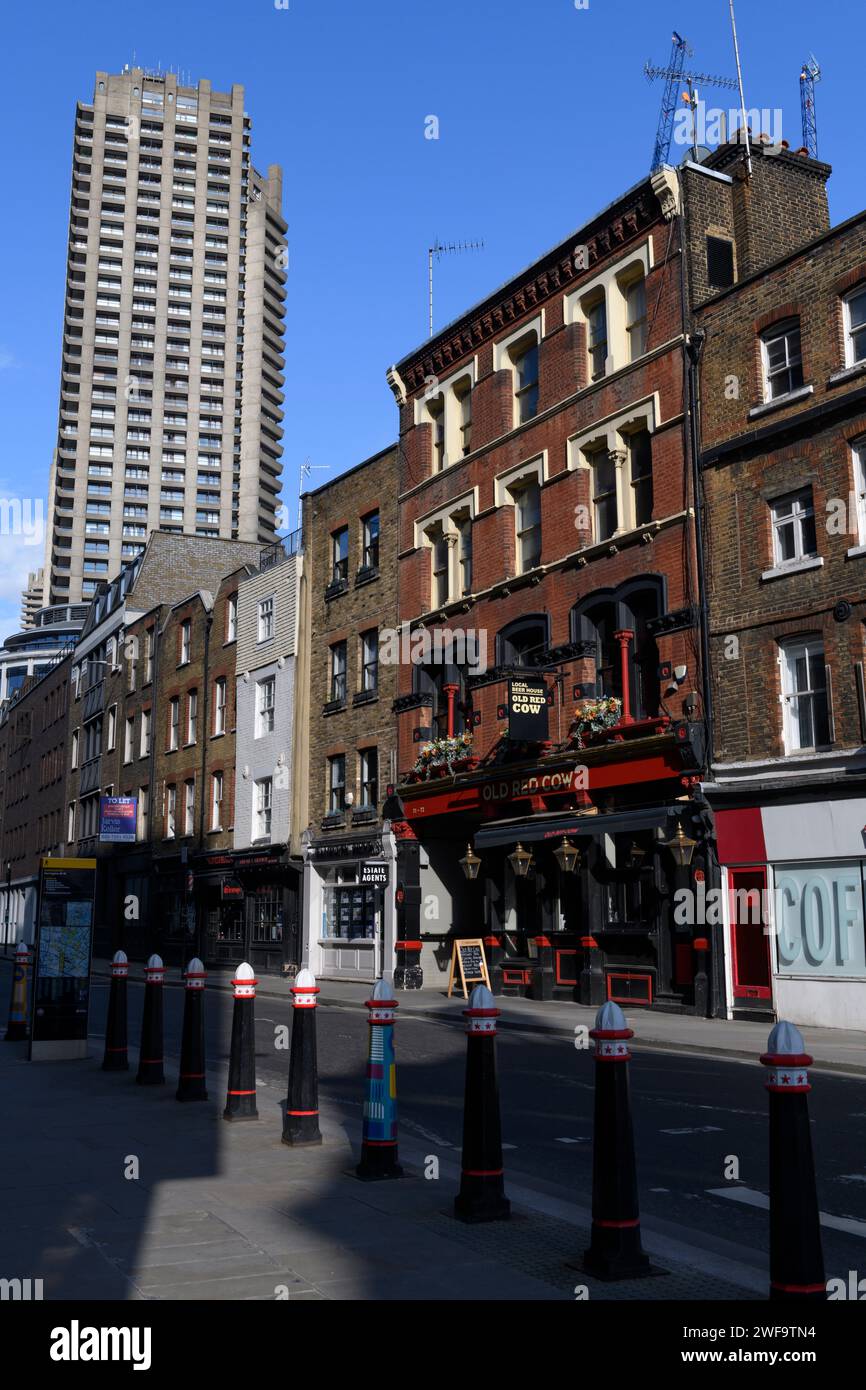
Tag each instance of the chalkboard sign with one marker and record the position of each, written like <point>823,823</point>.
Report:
<point>467,957</point>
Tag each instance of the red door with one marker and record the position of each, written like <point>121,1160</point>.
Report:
<point>750,943</point>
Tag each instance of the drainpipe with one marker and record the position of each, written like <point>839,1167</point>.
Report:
<point>694,342</point>
<point>204,725</point>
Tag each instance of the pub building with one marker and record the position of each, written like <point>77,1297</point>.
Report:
<point>563,859</point>
<point>547,532</point>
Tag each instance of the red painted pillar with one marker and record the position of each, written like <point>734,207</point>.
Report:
<point>451,692</point>
<point>624,637</point>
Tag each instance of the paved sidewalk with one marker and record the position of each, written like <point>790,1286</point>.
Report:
<point>834,1049</point>
<point>226,1211</point>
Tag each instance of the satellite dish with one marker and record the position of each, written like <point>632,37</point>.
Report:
<point>700,153</point>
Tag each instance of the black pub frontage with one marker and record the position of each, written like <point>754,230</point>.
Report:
<point>566,863</point>
<point>224,906</point>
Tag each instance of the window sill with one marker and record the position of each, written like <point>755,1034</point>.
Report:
<point>220,733</point>
<point>333,707</point>
<point>190,743</point>
<point>796,567</point>
<point>365,697</point>
<point>366,574</point>
<point>215,830</point>
<point>779,402</point>
<point>335,590</point>
<point>347,940</point>
<point>847,373</point>
<point>855,551</point>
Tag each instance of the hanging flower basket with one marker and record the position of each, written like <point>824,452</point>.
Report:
<point>443,757</point>
<point>593,717</point>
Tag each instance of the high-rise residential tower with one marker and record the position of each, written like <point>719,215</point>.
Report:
<point>172,358</point>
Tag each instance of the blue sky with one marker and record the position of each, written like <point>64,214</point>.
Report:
<point>544,117</point>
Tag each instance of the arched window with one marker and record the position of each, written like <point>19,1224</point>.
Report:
<point>597,619</point>
<point>432,679</point>
<point>523,642</point>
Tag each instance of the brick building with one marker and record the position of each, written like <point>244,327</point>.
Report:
<point>33,759</point>
<point>783,466</point>
<point>116,679</point>
<point>350,612</point>
<point>548,578</point>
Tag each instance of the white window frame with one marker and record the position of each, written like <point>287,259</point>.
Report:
<point>795,519</point>
<point>185,641</point>
<point>267,618</point>
<point>173,724</point>
<point>858,465</point>
<point>232,618</point>
<point>170,811</point>
<point>217,785</point>
<point>129,738</point>
<point>263,808</point>
<point>858,292</point>
<point>141,813</point>
<point>189,806</point>
<point>776,333</point>
<point>220,705</point>
<point>789,651</point>
<point>191,716</point>
<point>266,713</point>
<point>144,737</point>
<point>612,436</point>
<point>74,749</point>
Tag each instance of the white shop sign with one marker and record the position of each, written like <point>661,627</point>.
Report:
<point>819,920</point>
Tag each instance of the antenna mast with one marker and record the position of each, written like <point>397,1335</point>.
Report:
<point>674,77</point>
<point>742,98</point>
<point>809,75</point>
<point>438,250</point>
<point>304,472</point>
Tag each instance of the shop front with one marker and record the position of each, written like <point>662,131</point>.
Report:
<point>349,907</point>
<point>794,907</point>
<point>248,908</point>
<point>572,872</point>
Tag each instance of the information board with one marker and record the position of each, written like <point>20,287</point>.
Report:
<point>64,942</point>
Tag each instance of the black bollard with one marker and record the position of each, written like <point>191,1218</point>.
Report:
<point>192,1081</point>
<point>150,1059</point>
<point>482,1183</point>
<point>301,1123</point>
<point>796,1256</point>
<point>615,1251</point>
<point>116,1057</point>
<point>379,1133</point>
<point>17,1026</point>
<point>241,1094</point>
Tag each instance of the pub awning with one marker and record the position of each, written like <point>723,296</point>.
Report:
<point>553,827</point>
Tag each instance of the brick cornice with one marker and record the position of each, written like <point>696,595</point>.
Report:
<point>613,230</point>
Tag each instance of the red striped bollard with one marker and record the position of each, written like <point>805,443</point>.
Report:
<point>482,1183</point>
<point>241,1094</point>
<point>150,1058</point>
<point>116,1057</point>
<point>615,1251</point>
<point>301,1123</point>
<point>796,1255</point>
<point>17,1026</point>
<point>192,1082</point>
<point>379,1137</point>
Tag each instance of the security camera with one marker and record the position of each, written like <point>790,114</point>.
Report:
<point>680,674</point>
<point>671,690</point>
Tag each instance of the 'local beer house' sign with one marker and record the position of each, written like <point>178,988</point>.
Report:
<point>527,708</point>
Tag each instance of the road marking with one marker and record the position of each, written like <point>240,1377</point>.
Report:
<point>851,1177</point>
<point>581,1140</point>
<point>759,1199</point>
<point>659,1189</point>
<point>509,1146</point>
<point>701,1129</point>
